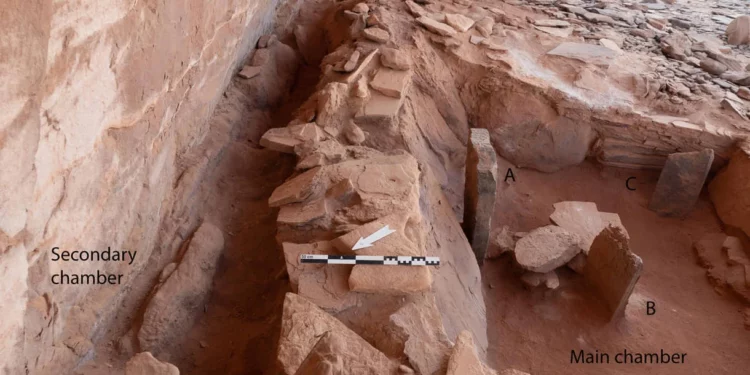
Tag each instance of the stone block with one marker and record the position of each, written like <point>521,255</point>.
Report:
<point>479,193</point>
<point>391,82</point>
<point>336,353</point>
<point>436,27</point>
<point>464,359</point>
<point>730,191</point>
<point>612,270</point>
<point>681,182</point>
<point>546,248</point>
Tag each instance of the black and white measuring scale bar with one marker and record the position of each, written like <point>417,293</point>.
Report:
<point>370,259</point>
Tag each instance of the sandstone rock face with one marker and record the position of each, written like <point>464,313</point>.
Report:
<point>546,248</point>
<point>169,313</point>
<point>479,191</point>
<point>612,269</point>
<point>145,364</point>
<point>681,182</point>
<point>726,263</point>
<point>88,79</point>
<point>730,191</point>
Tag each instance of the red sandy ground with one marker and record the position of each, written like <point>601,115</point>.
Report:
<point>535,331</point>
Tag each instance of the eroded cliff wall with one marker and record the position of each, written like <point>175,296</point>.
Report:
<point>103,105</point>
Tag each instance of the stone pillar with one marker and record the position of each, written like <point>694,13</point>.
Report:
<point>681,182</point>
<point>612,269</point>
<point>479,192</point>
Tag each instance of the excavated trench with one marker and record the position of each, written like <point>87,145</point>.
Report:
<point>303,155</point>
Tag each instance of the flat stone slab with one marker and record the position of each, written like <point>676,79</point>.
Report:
<point>391,82</point>
<point>589,53</point>
<point>479,191</point>
<point>436,27</point>
<point>248,71</point>
<point>681,182</point>
<point>459,22</point>
<point>380,106</point>
<point>546,248</point>
<point>612,269</point>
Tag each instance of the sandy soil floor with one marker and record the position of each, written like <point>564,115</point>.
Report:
<point>535,331</point>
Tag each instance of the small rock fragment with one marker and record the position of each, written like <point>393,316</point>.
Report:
<point>354,134</point>
<point>145,364</point>
<point>534,279</point>
<point>248,71</point>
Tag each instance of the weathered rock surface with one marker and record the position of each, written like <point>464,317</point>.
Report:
<point>145,364</point>
<point>170,312</point>
<point>546,248</point>
<point>463,358</point>
<point>730,191</point>
<point>336,353</point>
<point>612,269</point>
<point>303,325</point>
<point>395,59</point>
<point>376,34</point>
<point>427,345</point>
<point>726,263</point>
<point>479,191</point>
<point>681,182</point>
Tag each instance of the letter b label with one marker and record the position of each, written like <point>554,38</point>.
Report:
<point>650,307</point>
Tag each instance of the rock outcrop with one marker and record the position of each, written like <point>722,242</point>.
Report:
<point>730,190</point>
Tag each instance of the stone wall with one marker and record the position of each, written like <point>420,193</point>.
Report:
<point>103,106</point>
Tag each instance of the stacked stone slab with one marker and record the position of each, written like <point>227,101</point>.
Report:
<point>681,182</point>
<point>612,269</point>
<point>480,189</point>
<point>349,186</point>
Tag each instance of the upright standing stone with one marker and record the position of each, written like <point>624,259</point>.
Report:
<point>680,182</point>
<point>612,269</point>
<point>479,193</point>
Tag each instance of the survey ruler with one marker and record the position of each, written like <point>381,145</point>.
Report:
<point>370,259</point>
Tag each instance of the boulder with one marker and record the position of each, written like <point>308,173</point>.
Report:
<point>145,364</point>
<point>738,31</point>
<point>170,312</point>
<point>546,248</point>
<point>712,66</point>
<point>681,182</point>
<point>612,270</point>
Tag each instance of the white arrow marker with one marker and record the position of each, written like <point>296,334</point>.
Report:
<point>367,241</point>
